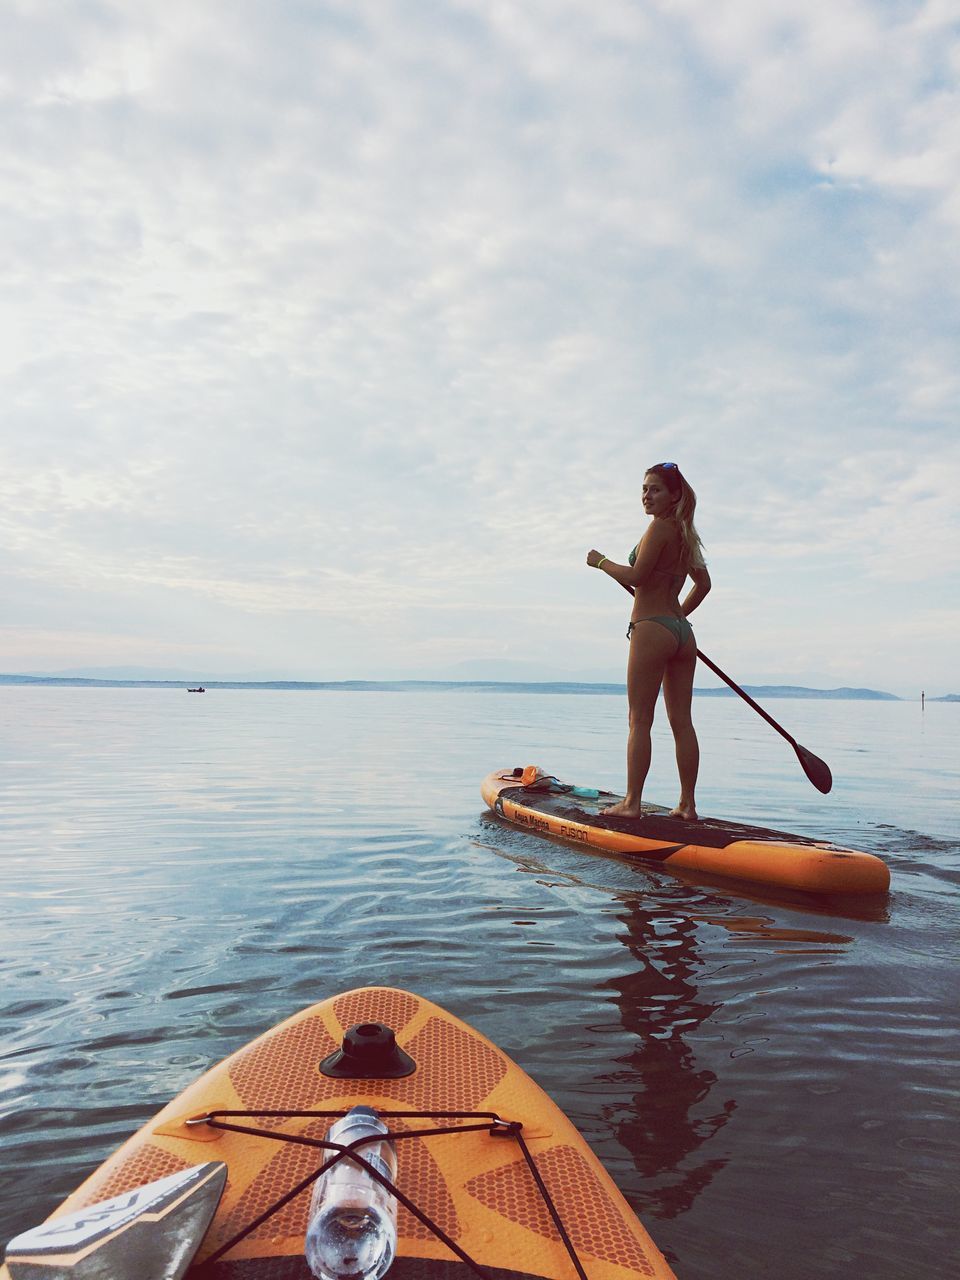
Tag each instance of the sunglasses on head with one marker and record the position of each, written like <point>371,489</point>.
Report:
<point>668,466</point>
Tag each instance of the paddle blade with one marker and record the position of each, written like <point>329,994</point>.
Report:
<point>816,769</point>
<point>150,1233</point>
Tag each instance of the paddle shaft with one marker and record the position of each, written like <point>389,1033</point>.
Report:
<point>746,697</point>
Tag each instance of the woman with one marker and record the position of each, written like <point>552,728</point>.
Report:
<point>662,647</point>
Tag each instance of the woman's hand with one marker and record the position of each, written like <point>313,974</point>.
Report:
<point>594,558</point>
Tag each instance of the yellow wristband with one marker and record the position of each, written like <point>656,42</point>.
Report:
<point>601,561</point>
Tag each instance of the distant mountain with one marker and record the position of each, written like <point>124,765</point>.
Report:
<point>528,686</point>
<point>472,672</point>
<point>798,691</point>
<point>92,682</point>
<point>200,674</point>
<point>947,697</point>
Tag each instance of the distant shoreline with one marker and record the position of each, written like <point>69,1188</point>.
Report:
<point>468,686</point>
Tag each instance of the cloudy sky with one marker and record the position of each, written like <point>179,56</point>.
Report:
<point>335,332</point>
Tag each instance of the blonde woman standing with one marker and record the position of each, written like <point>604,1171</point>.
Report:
<point>663,650</point>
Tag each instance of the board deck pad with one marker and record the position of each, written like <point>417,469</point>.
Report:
<point>543,805</point>
<point>655,824</point>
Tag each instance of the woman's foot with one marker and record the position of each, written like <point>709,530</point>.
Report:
<point>687,812</point>
<point>623,809</point>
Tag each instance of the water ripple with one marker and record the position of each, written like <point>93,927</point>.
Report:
<point>767,1075</point>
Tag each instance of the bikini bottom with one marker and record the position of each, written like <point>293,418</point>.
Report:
<point>680,628</point>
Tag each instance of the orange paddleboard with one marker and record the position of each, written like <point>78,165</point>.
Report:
<point>544,806</point>
<point>476,1183</point>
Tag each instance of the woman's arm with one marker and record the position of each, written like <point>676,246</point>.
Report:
<point>648,553</point>
<point>698,592</point>
<point>621,573</point>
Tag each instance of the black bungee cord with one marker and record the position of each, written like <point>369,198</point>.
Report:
<point>492,1123</point>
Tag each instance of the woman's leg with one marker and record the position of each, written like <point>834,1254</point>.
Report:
<point>678,696</point>
<point>650,648</point>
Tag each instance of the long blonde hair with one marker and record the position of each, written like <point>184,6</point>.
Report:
<point>686,505</point>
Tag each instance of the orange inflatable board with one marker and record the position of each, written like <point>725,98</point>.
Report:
<point>543,805</point>
<point>476,1182</point>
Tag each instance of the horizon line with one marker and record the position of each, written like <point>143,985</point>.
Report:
<point>838,692</point>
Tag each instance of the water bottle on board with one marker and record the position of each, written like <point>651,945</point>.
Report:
<point>352,1230</point>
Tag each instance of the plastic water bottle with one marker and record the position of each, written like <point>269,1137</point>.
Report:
<point>352,1232</point>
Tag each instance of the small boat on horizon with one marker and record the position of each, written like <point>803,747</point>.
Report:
<point>199,689</point>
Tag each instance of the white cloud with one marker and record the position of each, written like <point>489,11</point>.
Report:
<point>354,311</point>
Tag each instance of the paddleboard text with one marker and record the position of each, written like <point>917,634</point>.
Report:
<point>541,824</point>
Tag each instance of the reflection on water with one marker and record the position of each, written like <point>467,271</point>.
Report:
<point>662,1005</point>
<point>753,927</point>
<point>671,1115</point>
<point>768,1076</point>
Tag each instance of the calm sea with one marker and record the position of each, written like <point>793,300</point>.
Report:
<point>772,1080</point>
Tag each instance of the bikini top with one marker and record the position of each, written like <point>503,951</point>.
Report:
<point>678,578</point>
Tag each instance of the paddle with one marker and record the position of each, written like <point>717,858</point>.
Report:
<point>816,769</point>
<point>153,1230</point>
